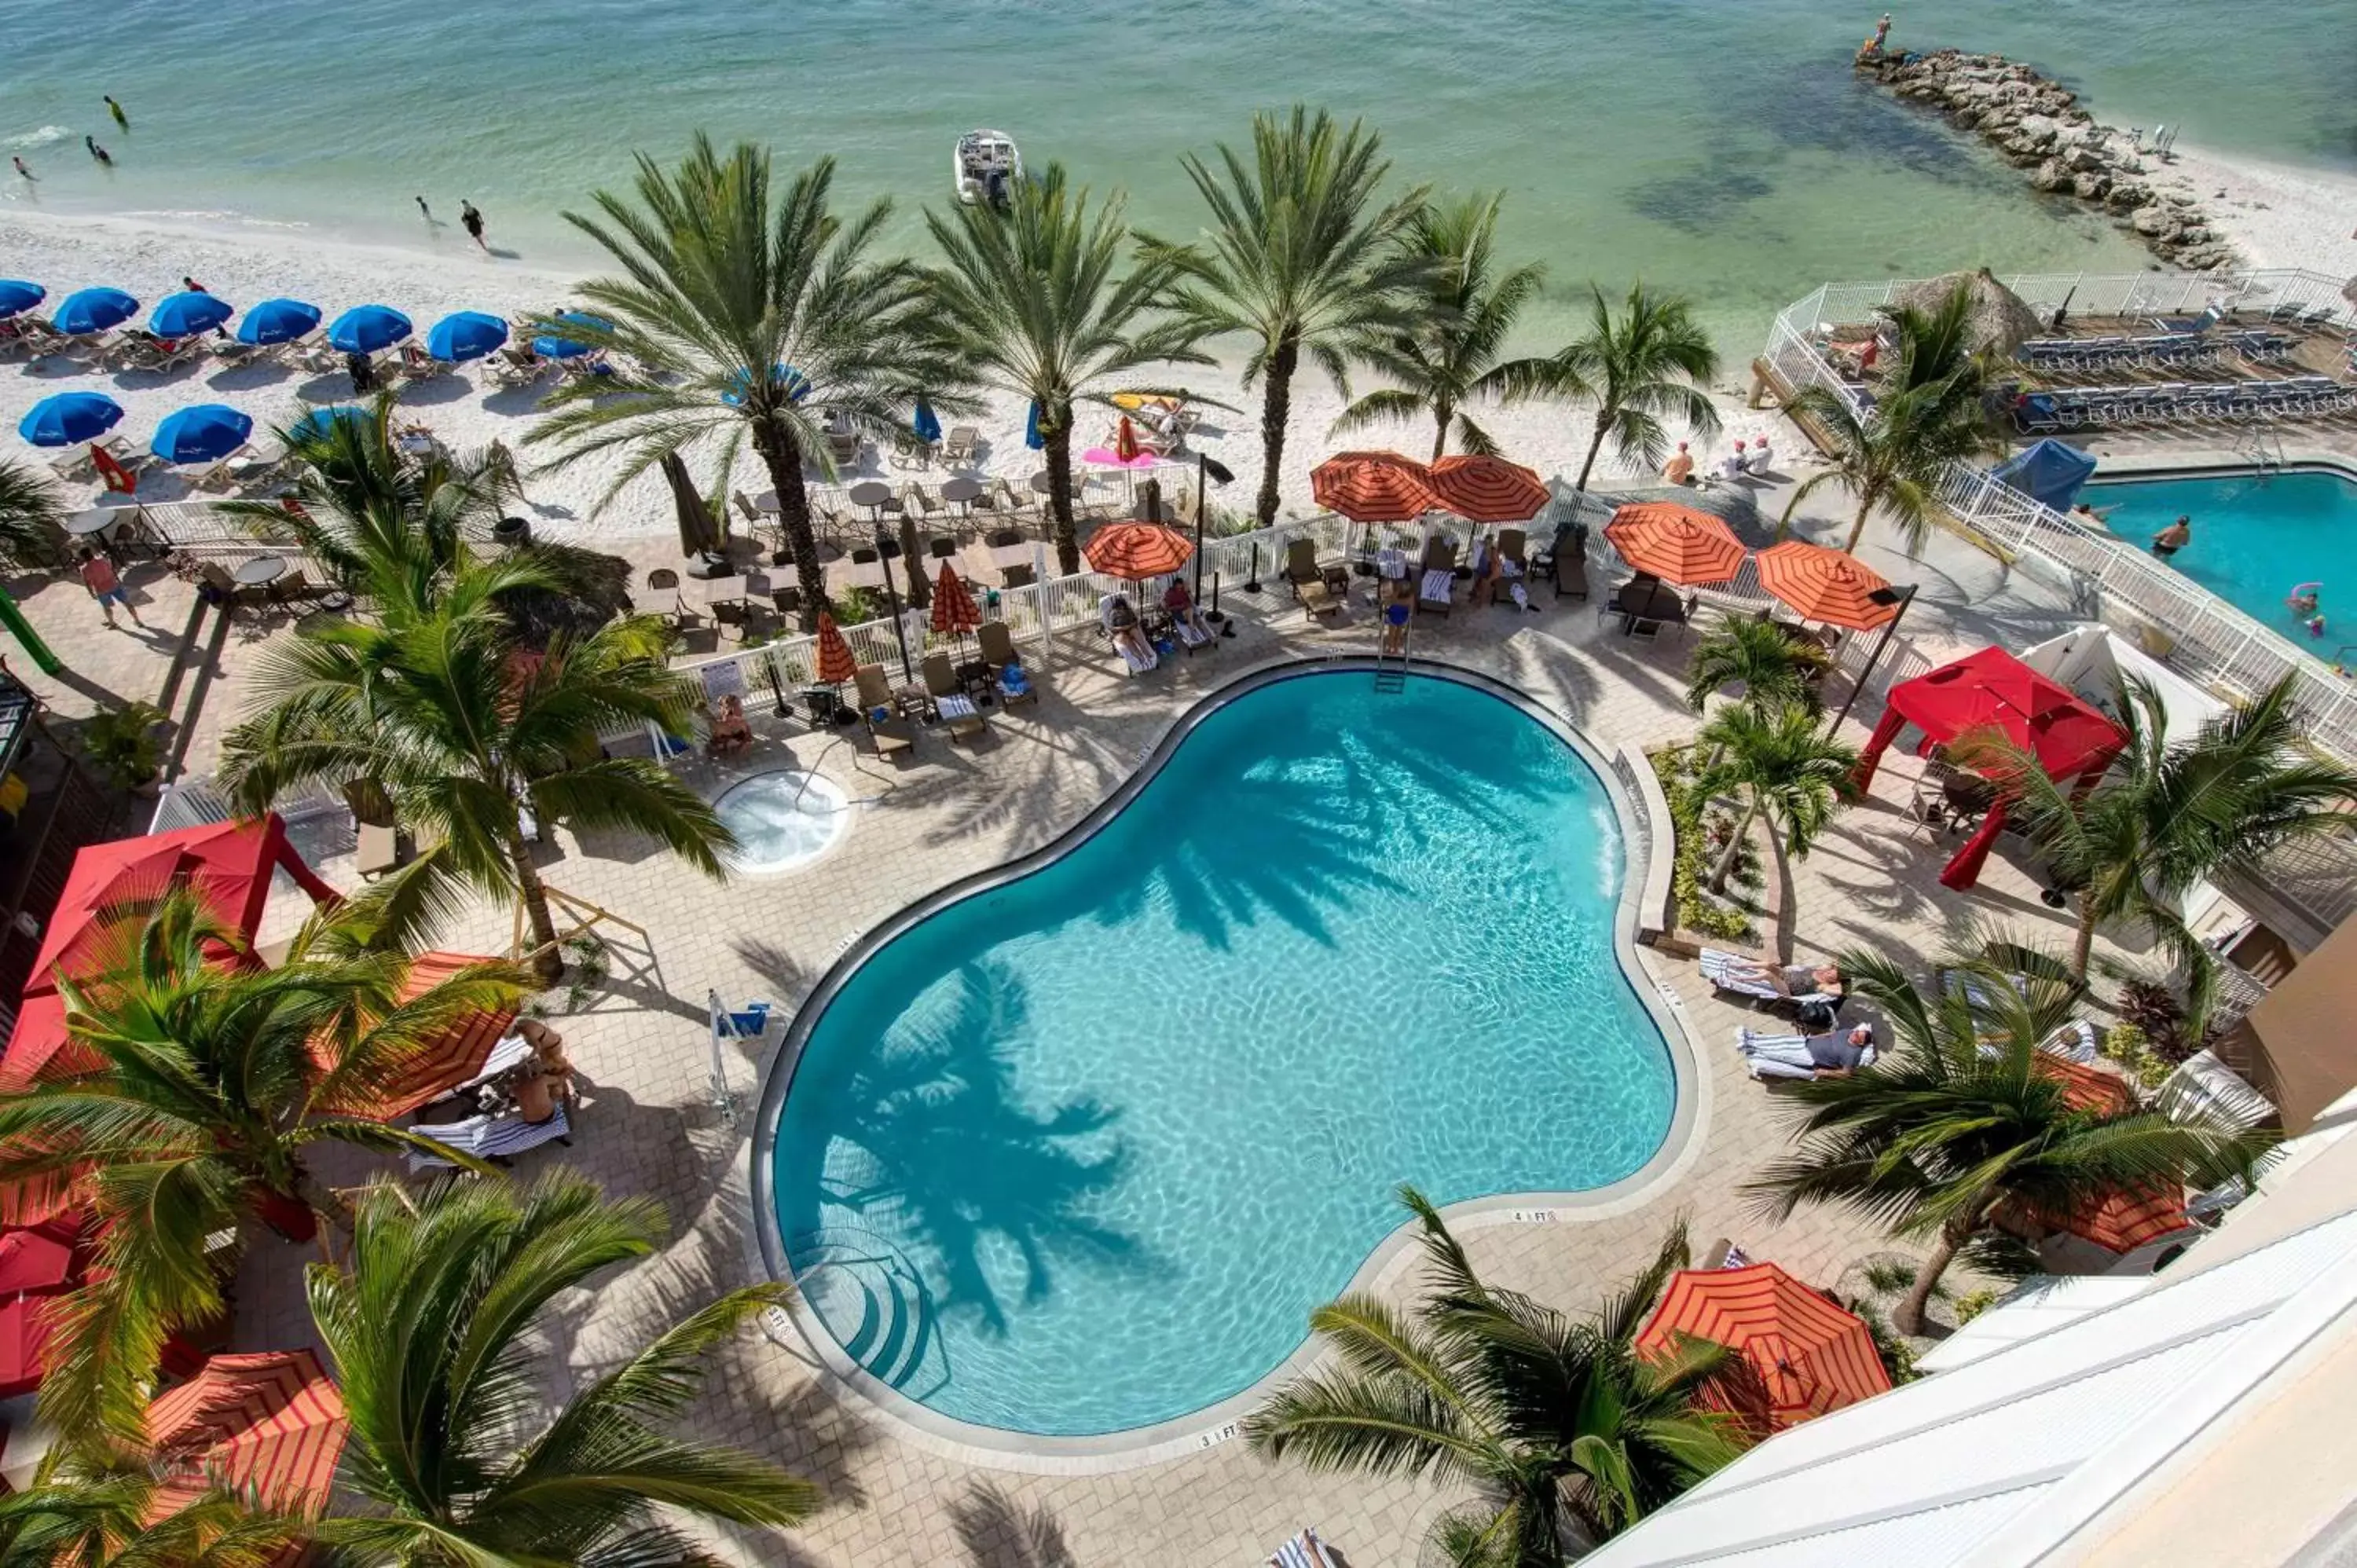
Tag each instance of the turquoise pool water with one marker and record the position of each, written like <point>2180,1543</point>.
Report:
<point>2255,539</point>
<point>1085,1149</point>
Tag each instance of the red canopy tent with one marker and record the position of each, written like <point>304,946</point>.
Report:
<point>25,1341</point>
<point>1992,692</point>
<point>1806,1354</point>
<point>39,1047</point>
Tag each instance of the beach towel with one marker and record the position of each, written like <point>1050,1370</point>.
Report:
<point>1391,565</point>
<point>1190,633</point>
<point>492,1137</point>
<point>1800,1056</point>
<point>1731,973</point>
<point>956,707</point>
<point>1437,584</point>
<point>1304,1551</point>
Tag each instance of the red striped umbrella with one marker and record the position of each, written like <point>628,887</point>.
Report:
<point>954,609</point>
<point>1125,441</point>
<point>836,663</point>
<point>1482,488</point>
<point>1137,550</point>
<point>1804,1355</point>
<point>271,1425</point>
<point>1676,543</point>
<point>1822,585</point>
<point>452,1058</point>
<point>1374,486</point>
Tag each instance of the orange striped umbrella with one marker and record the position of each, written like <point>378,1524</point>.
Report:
<point>1488,489</point>
<point>446,1062</point>
<point>1822,585</point>
<point>953,607</point>
<point>1137,550</point>
<point>1676,543</point>
<point>2127,1220</point>
<point>271,1425</point>
<point>836,663</point>
<point>1804,1355</point>
<point>1374,486</point>
<point>2086,1087</point>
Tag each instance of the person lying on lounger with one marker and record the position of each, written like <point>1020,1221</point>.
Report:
<point>731,735</point>
<point>1807,1056</point>
<point>1823,980</point>
<point>1128,635</point>
<point>1182,607</point>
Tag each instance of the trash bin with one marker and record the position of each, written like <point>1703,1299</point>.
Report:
<point>512,531</point>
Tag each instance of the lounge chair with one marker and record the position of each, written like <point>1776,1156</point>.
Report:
<point>494,1137</point>
<point>1304,1551</point>
<point>1138,661</point>
<point>1436,579</point>
<point>843,445</point>
<point>1190,636</point>
<point>1801,1055</point>
<point>1725,972</point>
<point>1570,565</point>
<point>960,446</point>
<point>998,652</point>
<point>950,700</point>
<point>892,734</point>
<point>1309,584</point>
<point>511,368</point>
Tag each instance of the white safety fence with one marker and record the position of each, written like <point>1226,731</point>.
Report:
<point>2193,628</point>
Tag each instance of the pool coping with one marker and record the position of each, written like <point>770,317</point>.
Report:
<point>1219,1423</point>
<point>2216,463</point>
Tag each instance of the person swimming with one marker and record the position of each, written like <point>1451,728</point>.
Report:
<point>2173,538</point>
<point>97,151</point>
<point>2303,599</point>
<point>21,169</point>
<point>116,110</point>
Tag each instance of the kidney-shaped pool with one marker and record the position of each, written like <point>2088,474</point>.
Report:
<point>1079,1152</point>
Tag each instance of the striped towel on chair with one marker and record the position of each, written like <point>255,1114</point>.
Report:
<point>494,1138</point>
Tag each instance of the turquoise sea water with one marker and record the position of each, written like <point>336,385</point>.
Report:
<point>1721,146</point>
<point>1083,1151</point>
<point>2255,539</point>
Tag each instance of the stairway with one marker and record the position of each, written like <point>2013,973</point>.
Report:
<point>875,1303</point>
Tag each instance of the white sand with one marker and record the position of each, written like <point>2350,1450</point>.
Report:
<point>2276,216</point>
<point>149,259</point>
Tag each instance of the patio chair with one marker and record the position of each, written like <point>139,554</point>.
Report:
<point>843,445</point>
<point>375,827</point>
<point>957,709</point>
<point>959,448</point>
<point>747,511</point>
<point>1017,576</point>
<point>997,644</point>
<point>891,733</point>
<point>1310,589</point>
<point>1436,580</point>
<point>495,1138</point>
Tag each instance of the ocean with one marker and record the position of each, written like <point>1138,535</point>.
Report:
<point>1720,147</point>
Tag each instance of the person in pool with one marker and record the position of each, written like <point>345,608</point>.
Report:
<point>2303,599</point>
<point>96,151</point>
<point>2173,538</point>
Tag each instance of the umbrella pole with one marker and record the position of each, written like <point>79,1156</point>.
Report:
<point>1906,597</point>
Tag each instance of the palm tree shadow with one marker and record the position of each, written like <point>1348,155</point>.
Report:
<point>999,1531</point>
<point>956,1167</point>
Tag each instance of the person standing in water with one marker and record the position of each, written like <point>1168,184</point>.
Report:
<point>429,211</point>
<point>2173,538</point>
<point>96,151</point>
<point>472,221</point>
<point>116,110</point>
<point>21,169</point>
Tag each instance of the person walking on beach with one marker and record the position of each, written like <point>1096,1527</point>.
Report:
<point>23,170</point>
<point>472,221</point>
<point>98,576</point>
<point>2173,538</point>
<point>116,110</point>
<point>429,211</point>
<point>192,285</point>
<point>96,151</point>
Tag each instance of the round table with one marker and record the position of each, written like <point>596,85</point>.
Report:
<point>261,571</point>
<point>962,489</point>
<point>1042,484</point>
<point>98,519</point>
<point>871,494</point>
<point>765,504</point>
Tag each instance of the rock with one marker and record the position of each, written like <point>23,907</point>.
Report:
<point>2127,196</point>
<point>2155,221</point>
<point>1966,118</point>
<point>2091,186</point>
<point>2193,234</point>
<point>2083,160</point>
<point>2051,176</point>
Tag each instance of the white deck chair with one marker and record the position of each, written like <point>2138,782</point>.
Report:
<point>1788,1055</point>
<point>1723,969</point>
<point>494,1138</point>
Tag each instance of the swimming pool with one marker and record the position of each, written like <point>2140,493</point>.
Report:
<point>2255,538</point>
<point>1078,1153</point>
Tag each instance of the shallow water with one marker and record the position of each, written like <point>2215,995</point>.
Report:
<point>1081,1153</point>
<point>1722,148</point>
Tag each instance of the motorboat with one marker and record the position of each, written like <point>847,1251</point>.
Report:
<point>985,166</point>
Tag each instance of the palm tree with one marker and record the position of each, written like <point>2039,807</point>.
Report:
<point>85,1516</point>
<point>2173,812</point>
<point>205,1091</point>
<point>1449,356</point>
<point>1298,255</point>
<point>1648,362</point>
<point>1786,769</point>
<point>440,711</point>
<point>1564,1429</point>
<point>1958,1124</point>
<point>737,317</point>
<point>32,514</point>
<point>1763,657</point>
<point>437,1328</point>
<point>1031,298</point>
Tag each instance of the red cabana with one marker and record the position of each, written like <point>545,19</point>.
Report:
<point>1806,1354</point>
<point>39,1047</point>
<point>1992,692</point>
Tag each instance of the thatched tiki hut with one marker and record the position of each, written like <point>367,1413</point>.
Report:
<point>2001,321</point>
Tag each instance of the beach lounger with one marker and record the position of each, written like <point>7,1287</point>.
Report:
<point>1310,586</point>
<point>1190,636</point>
<point>997,644</point>
<point>494,1137</point>
<point>1726,972</point>
<point>1304,1551</point>
<point>957,709</point>
<point>959,448</point>
<point>1800,1056</point>
<point>892,734</point>
<point>1138,663</point>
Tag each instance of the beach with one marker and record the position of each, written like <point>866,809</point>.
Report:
<point>2276,215</point>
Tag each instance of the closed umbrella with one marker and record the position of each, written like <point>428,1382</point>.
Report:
<point>1125,441</point>
<point>17,297</point>
<point>1826,584</point>
<point>468,335</point>
<point>1374,486</point>
<point>366,328</point>
<point>204,433</point>
<point>1676,543</point>
<point>955,611</point>
<point>69,419</point>
<point>277,321</point>
<point>926,422</point>
<point>1482,488</point>
<point>1031,436</point>
<point>698,533</point>
<point>95,310</point>
<point>554,346</point>
<point>836,663</point>
<point>320,424</point>
<point>1800,1354</point>
<point>187,314</point>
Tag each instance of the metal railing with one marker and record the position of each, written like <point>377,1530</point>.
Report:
<point>2111,580</point>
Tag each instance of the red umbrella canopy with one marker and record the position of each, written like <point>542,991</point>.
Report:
<point>459,1053</point>
<point>1137,550</point>
<point>1482,488</point>
<point>271,1425</point>
<point>1993,690</point>
<point>2127,1220</point>
<point>35,1262</point>
<point>954,609</point>
<point>40,1048</point>
<point>1811,1355</point>
<point>1676,543</point>
<point>23,1342</point>
<point>1822,585</point>
<point>836,663</point>
<point>1374,486</point>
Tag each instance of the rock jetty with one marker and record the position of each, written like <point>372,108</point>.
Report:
<point>2037,124</point>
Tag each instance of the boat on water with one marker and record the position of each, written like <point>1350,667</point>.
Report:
<point>985,166</point>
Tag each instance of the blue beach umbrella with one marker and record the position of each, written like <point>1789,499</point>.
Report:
<point>95,310</point>
<point>550,347</point>
<point>186,314</point>
<point>926,423</point>
<point>1031,436</point>
<point>16,296</point>
<point>468,335</point>
<point>318,424</point>
<point>368,327</point>
<point>797,385</point>
<point>277,321</point>
<point>69,419</point>
<point>204,433</point>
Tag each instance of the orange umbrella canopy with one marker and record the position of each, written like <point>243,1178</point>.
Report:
<point>450,1059</point>
<point>1374,486</point>
<point>1488,489</point>
<point>1822,585</point>
<point>2127,1220</point>
<point>1803,1355</point>
<point>836,663</point>
<point>271,1425</point>
<point>1137,550</point>
<point>1676,543</point>
<point>953,607</point>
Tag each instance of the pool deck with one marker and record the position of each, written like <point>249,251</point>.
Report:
<point>648,1127</point>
